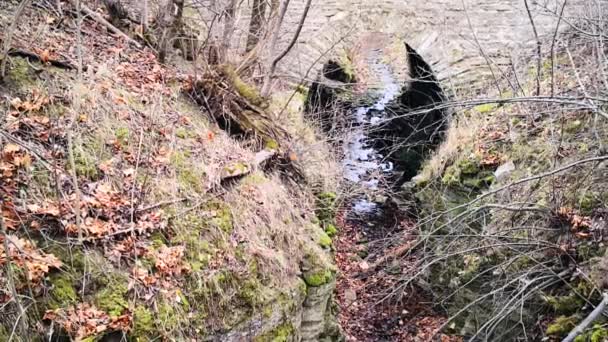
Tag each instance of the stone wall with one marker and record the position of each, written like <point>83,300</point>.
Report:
<point>447,33</point>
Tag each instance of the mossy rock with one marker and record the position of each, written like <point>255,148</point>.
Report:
<point>85,162</point>
<point>588,201</point>
<point>184,133</point>
<point>317,270</point>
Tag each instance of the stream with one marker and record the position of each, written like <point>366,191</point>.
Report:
<point>363,163</point>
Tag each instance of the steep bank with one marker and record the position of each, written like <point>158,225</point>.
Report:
<point>512,218</point>
<point>129,212</point>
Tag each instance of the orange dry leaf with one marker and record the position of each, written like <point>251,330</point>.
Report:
<point>45,56</point>
<point>26,255</point>
<point>10,149</point>
<point>169,261</point>
<point>50,209</point>
<point>86,320</point>
<point>144,276</point>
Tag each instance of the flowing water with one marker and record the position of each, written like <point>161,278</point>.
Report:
<point>364,164</point>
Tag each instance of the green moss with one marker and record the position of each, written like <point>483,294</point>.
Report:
<point>168,317</point>
<point>253,293</point>
<point>331,230</point>
<point>573,126</point>
<point>326,207</point>
<point>561,326</point>
<point>318,278</point>
<point>565,305</point>
<point>20,74</point>
<point>348,68</point>
<point>316,269</point>
<point>63,293</point>
<point>143,324</point>
<point>481,181</point>
<point>179,159</point>
<point>122,135</point>
<point>588,201</point>
<point>282,333</point>
<point>249,92</point>
<point>272,144</point>
<point>112,298</point>
<point>190,180</point>
<point>236,169</point>
<point>324,240</point>
<point>255,178</point>
<point>86,163</point>
<point>485,108</point>
<point>198,250</point>
<point>597,333</point>
<point>184,133</point>
<point>222,218</point>
<point>469,166</point>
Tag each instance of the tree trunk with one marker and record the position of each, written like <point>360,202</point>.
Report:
<point>169,20</point>
<point>257,23</point>
<point>116,11</point>
<point>273,46</point>
<point>229,18</point>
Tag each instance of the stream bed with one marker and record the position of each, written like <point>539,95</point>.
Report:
<point>363,163</point>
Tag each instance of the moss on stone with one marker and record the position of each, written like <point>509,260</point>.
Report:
<point>20,74</point>
<point>185,133</point>
<point>190,180</point>
<point>318,278</point>
<point>562,325</point>
<point>271,144</point>
<point>483,180</point>
<point>282,333</point>
<point>597,333</point>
